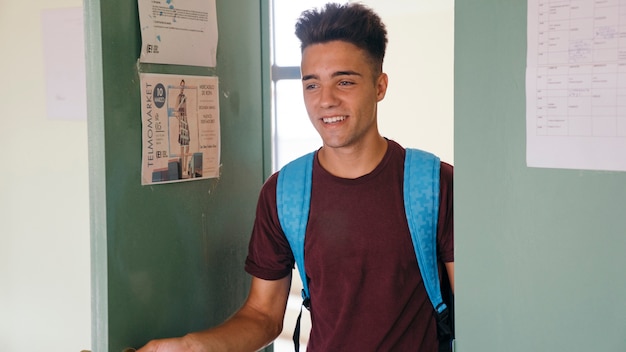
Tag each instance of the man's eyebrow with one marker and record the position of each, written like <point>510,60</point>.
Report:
<point>346,73</point>
<point>308,77</point>
<point>336,74</point>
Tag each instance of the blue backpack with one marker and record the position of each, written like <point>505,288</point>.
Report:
<point>421,203</point>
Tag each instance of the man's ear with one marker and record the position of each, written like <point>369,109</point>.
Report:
<point>381,86</point>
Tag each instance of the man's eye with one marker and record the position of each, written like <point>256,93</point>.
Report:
<point>345,83</point>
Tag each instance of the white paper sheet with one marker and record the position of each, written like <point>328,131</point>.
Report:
<point>180,128</point>
<point>576,84</point>
<point>178,32</point>
<point>64,63</point>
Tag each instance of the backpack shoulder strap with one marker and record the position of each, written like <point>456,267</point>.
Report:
<point>293,198</point>
<point>421,204</point>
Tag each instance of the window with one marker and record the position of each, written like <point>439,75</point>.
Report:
<point>293,135</point>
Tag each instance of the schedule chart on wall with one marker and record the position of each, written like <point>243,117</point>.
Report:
<point>576,84</point>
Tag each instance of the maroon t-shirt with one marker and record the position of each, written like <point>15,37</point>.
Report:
<point>367,293</point>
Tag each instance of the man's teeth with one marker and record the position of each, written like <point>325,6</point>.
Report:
<point>333,119</point>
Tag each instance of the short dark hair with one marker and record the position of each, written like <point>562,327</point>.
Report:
<point>353,23</point>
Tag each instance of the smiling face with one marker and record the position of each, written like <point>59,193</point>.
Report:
<point>341,93</point>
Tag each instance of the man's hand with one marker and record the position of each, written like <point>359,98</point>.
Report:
<point>167,345</point>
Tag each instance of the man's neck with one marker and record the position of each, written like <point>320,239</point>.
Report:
<point>355,161</point>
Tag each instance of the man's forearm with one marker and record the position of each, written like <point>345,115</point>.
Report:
<point>247,330</point>
<point>256,324</point>
<point>450,270</point>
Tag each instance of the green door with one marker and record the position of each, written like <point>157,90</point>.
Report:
<point>168,259</point>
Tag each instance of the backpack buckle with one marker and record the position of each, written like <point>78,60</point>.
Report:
<point>306,301</point>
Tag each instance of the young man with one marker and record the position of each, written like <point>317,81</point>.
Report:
<point>367,293</point>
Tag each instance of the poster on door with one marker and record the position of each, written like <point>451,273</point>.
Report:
<point>180,128</point>
<point>178,32</point>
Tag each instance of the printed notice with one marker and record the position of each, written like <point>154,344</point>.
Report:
<point>576,84</point>
<point>178,32</point>
<point>180,127</point>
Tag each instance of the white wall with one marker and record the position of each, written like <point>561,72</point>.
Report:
<point>418,109</point>
<point>44,215</point>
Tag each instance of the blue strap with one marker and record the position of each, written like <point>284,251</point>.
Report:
<point>421,204</point>
<point>293,199</point>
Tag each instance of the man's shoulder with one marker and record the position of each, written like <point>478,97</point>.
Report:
<point>269,186</point>
<point>446,171</point>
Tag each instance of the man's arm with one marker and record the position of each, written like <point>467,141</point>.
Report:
<point>256,324</point>
<point>450,270</point>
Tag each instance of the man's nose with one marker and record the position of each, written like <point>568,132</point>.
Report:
<point>328,97</point>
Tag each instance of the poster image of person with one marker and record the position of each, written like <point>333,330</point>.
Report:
<point>183,128</point>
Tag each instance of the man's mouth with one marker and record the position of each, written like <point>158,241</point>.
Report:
<point>333,119</point>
